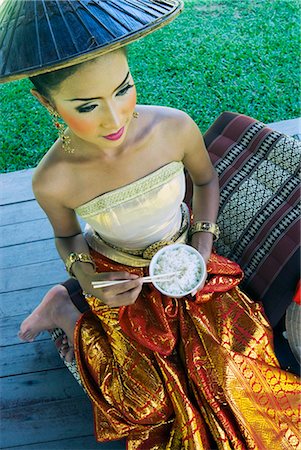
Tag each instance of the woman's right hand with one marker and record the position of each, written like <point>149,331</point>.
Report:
<point>121,294</point>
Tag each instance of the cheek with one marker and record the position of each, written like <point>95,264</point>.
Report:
<point>77,123</point>
<point>132,100</point>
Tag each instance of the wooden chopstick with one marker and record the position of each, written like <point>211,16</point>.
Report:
<point>148,279</point>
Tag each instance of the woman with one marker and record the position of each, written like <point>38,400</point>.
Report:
<point>106,161</point>
<point>160,371</point>
<point>193,373</point>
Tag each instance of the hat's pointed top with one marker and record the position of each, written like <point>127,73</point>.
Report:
<point>38,36</point>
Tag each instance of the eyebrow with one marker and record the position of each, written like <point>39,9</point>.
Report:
<point>96,98</point>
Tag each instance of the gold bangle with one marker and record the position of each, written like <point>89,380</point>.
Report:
<point>74,257</point>
<point>208,227</point>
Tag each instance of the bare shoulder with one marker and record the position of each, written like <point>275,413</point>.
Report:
<point>49,177</point>
<point>180,122</point>
<point>175,128</point>
<point>51,186</point>
<point>166,114</point>
<point>183,141</point>
<point>172,120</point>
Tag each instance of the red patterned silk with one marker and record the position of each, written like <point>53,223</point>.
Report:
<point>158,330</point>
<point>192,373</point>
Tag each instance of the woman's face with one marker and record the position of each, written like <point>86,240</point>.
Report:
<point>97,101</point>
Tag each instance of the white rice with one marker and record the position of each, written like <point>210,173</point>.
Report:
<point>187,265</point>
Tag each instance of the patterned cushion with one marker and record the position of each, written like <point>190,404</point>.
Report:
<point>259,207</point>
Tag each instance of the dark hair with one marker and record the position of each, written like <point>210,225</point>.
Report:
<point>49,81</point>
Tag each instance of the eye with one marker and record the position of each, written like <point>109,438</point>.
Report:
<point>85,109</point>
<point>125,90</point>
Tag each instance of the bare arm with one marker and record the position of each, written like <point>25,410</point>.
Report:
<point>69,238</point>
<point>205,208</point>
<point>205,201</point>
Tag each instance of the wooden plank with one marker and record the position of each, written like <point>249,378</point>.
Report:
<point>21,212</point>
<point>23,301</point>
<point>31,231</point>
<point>9,327</point>
<point>80,443</point>
<point>29,357</point>
<point>290,127</point>
<point>25,277</point>
<point>45,422</point>
<point>28,253</point>
<point>16,186</point>
<point>40,387</point>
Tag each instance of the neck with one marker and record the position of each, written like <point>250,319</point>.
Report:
<point>90,150</point>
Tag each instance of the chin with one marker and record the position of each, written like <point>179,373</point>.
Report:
<point>113,143</point>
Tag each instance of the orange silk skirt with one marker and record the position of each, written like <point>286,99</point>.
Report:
<point>190,373</point>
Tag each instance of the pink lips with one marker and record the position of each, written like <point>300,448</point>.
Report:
<point>115,136</point>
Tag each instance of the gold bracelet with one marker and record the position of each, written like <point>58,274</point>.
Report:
<point>74,257</point>
<point>208,227</point>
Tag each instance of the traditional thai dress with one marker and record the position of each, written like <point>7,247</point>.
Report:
<point>191,373</point>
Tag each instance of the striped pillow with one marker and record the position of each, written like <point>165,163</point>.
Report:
<point>259,207</point>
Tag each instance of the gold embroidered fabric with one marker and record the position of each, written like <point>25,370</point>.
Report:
<point>125,256</point>
<point>179,374</point>
<point>187,374</point>
<point>141,213</point>
<point>129,192</point>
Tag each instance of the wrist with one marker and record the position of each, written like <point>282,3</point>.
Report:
<point>206,227</point>
<point>81,269</point>
<point>78,263</point>
<point>202,242</point>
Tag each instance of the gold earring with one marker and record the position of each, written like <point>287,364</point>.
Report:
<point>135,115</point>
<point>66,140</point>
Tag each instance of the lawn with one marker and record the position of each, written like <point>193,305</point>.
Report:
<point>238,55</point>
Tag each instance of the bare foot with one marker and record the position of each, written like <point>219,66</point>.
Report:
<point>66,349</point>
<point>55,311</point>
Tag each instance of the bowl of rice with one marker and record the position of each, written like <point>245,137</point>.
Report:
<point>185,262</point>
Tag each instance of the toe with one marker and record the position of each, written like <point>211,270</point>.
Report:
<point>64,349</point>
<point>69,355</point>
<point>30,336</point>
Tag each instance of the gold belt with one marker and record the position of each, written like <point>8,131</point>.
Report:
<point>149,252</point>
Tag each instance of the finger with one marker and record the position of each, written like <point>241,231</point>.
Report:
<point>132,295</point>
<point>126,298</point>
<point>115,276</point>
<point>109,294</point>
<point>121,288</point>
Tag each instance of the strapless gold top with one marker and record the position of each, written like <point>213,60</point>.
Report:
<point>137,215</point>
<point>140,213</point>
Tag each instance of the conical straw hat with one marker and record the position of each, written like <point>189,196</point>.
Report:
<point>38,36</point>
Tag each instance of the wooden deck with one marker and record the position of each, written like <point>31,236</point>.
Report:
<point>43,407</point>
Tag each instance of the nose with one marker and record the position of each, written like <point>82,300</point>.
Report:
<point>111,117</point>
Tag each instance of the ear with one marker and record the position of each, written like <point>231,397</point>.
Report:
<point>43,100</point>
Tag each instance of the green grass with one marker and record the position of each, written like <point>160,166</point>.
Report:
<point>237,55</point>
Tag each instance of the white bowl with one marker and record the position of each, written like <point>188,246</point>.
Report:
<point>175,258</point>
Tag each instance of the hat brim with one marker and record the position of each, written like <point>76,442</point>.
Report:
<point>163,13</point>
